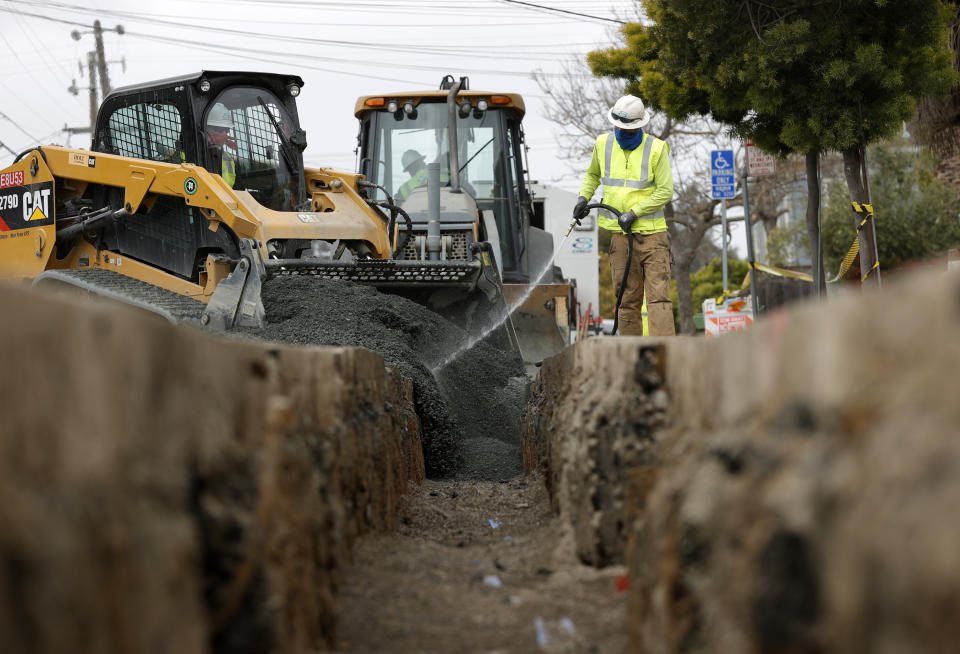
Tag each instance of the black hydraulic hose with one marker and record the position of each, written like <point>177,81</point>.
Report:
<point>484,246</point>
<point>407,234</point>
<point>626,270</point>
<point>90,223</point>
<point>394,210</point>
<point>28,151</point>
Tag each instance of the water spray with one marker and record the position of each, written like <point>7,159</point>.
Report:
<point>518,302</point>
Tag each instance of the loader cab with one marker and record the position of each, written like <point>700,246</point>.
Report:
<point>182,120</point>
<point>241,126</point>
<point>401,133</point>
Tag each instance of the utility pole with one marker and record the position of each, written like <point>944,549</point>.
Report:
<point>92,71</point>
<point>102,59</point>
<point>96,65</point>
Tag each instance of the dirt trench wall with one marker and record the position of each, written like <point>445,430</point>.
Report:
<point>165,491</point>
<point>801,493</point>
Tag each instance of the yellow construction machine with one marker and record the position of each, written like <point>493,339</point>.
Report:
<point>193,193</point>
<point>453,160</point>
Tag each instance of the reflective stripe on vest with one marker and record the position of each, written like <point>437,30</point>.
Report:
<point>644,223</point>
<point>644,180</point>
<point>419,179</point>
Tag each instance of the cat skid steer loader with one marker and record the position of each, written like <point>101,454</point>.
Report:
<point>193,193</point>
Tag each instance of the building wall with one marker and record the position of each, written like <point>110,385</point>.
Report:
<point>578,255</point>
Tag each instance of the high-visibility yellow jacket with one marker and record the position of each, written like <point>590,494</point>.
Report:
<point>228,167</point>
<point>417,180</point>
<point>639,179</point>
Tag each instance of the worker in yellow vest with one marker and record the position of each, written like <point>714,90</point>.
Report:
<point>219,124</point>
<point>633,168</point>
<point>414,165</point>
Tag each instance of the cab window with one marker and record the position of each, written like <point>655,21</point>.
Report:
<point>145,131</point>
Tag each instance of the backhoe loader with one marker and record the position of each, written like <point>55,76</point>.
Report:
<point>193,193</point>
<point>473,142</point>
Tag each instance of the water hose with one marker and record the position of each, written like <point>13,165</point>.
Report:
<point>626,270</point>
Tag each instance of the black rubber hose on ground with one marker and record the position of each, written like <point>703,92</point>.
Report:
<point>626,270</point>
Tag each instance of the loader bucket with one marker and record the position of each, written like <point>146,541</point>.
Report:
<point>540,319</point>
<point>466,293</point>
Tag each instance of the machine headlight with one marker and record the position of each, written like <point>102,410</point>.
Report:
<point>204,85</point>
<point>294,90</point>
<point>392,106</point>
<point>482,105</point>
<point>465,108</point>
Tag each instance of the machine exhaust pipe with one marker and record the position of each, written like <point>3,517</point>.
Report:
<point>433,206</point>
<point>452,129</point>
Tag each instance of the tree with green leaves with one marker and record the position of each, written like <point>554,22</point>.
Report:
<point>792,75</point>
<point>918,215</point>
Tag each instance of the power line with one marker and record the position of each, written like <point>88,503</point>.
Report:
<point>15,124</point>
<point>389,47</point>
<point>258,55</point>
<point>358,62</point>
<point>563,11</point>
<point>234,52</point>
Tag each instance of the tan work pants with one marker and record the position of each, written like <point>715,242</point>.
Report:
<point>650,273</point>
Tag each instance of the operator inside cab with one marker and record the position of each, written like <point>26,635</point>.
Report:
<point>219,139</point>
<point>414,165</point>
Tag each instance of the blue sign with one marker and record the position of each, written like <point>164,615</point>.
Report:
<point>722,174</point>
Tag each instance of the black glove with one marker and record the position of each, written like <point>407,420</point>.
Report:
<point>626,221</point>
<point>580,211</point>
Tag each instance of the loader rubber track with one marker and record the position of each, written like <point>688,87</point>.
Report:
<point>114,286</point>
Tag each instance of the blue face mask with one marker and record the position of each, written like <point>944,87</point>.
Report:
<point>628,141</point>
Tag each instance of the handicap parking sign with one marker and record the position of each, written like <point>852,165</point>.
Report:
<point>722,174</point>
<point>722,162</point>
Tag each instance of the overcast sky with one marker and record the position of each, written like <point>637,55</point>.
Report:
<point>341,49</point>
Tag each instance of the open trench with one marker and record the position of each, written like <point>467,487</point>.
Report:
<point>786,489</point>
<point>479,562</point>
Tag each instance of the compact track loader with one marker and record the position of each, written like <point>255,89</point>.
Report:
<point>453,160</point>
<point>193,193</point>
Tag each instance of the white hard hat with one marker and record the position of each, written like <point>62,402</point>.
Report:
<point>409,158</point>
<point>629,113</point>
<point>220,116</point>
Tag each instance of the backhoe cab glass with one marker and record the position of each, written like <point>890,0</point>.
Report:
<point>246,137</point>
<point>404,143</point>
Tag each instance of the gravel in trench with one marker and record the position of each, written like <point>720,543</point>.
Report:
<point>470,410</point>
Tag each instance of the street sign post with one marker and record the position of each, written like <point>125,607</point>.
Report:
<point>759,162</point>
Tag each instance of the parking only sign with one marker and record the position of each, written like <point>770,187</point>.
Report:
<point>722,174</point>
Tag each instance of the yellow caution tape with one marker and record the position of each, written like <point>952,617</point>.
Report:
<point>773,270</point>
<point>723,298</point>
<point>855,246</point>
<point>781,272</point>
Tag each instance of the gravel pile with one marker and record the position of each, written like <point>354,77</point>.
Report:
<point>469,411</point>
